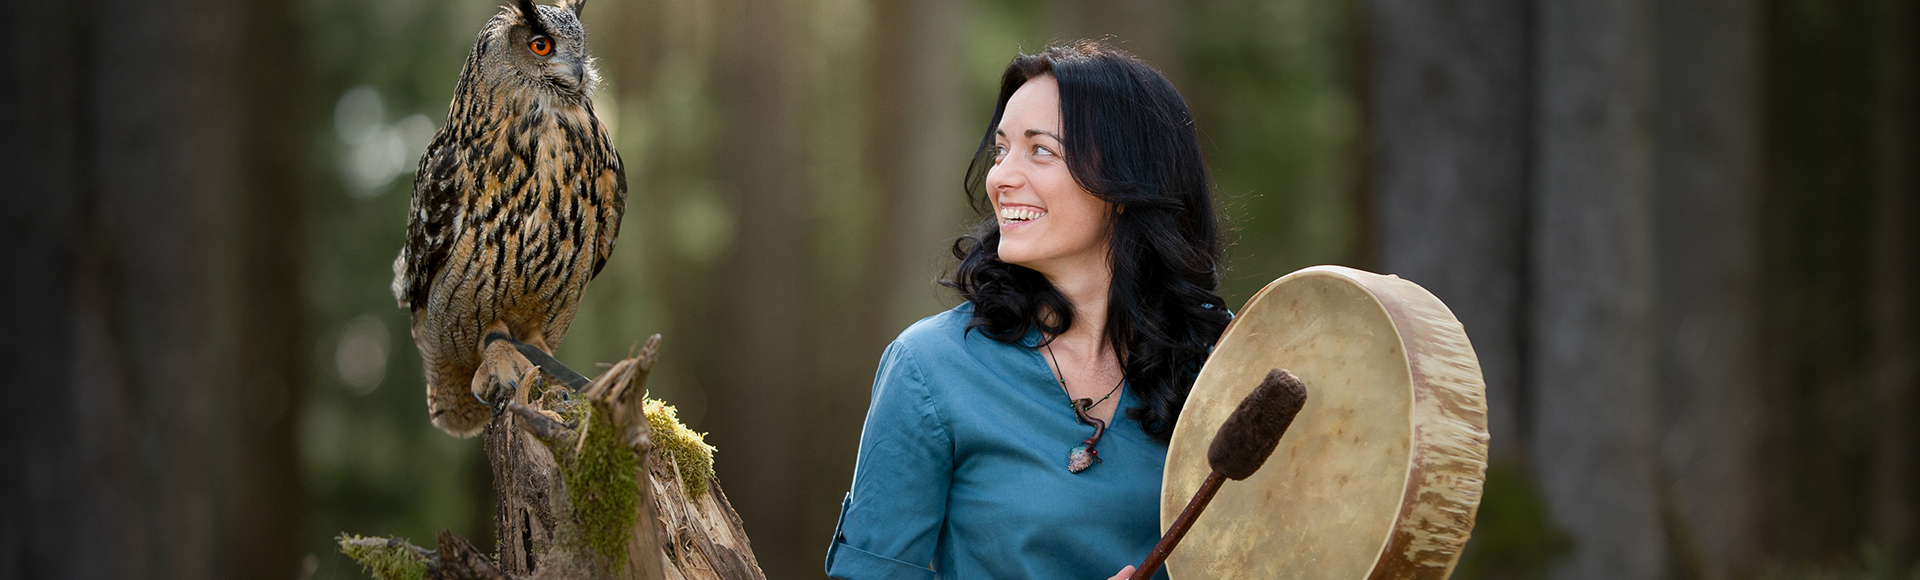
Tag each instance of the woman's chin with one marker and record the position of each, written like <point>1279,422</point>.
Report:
<point>1019,256</point>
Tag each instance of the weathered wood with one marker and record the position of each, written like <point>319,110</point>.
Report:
<point>673,536</point>
<point>546,435</point>
<point>702,538</point>
<point>457,559</point>
<point>523,475</point>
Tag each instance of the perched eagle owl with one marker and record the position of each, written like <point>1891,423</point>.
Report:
<point>515,207</point>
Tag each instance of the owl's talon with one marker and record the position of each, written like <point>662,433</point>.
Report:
<point>494,396</point>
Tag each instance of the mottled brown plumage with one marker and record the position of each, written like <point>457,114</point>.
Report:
<point>515,207</point>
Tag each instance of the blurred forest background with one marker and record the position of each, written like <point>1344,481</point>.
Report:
<point>1681,234</point>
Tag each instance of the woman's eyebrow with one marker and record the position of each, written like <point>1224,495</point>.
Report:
<point>1032,132</point>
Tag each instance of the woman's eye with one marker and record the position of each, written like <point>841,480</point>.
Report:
<point>541,45</point>
<point>1042,150</point>
<point>998,152</point>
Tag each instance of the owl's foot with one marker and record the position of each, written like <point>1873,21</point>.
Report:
<point>503,373</point>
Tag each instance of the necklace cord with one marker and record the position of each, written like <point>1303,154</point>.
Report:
<point>1059,374</point>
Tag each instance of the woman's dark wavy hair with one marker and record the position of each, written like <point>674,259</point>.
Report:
<point>1129,140</point>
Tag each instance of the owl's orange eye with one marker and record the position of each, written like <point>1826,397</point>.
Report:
<point>541,46</point>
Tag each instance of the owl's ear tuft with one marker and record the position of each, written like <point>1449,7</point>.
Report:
<point>574,6</point>
<point>531,14</point>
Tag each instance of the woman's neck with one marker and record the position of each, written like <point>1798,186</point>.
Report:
<point>1087,364</point>
<point>1087,292</point>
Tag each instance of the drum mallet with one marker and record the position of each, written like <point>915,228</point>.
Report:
<point>1239,448</point>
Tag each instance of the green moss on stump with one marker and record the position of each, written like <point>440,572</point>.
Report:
<point>602,485</point>
<point>675,444</point>
<point>385,558</point>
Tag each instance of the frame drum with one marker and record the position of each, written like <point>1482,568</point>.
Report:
<point>1380,474</point>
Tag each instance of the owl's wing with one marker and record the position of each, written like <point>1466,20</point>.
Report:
<point>613,185</point>
<point>431,221</point>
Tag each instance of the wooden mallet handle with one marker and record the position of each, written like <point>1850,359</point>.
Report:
<point>1239,448</point>
<point>1180,526</point>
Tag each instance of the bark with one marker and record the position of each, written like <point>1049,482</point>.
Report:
<point>1452,132</point>
<point>152,225</point>
<point>1592,282</point>
<point>1707,263</point>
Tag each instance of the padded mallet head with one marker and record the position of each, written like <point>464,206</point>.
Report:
<point>1254,429</point>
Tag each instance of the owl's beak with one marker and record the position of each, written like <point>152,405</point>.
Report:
<point>579,73</point>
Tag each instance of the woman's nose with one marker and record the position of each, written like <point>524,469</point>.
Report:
<point>1003,176</point>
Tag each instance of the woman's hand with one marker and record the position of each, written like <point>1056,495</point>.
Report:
<point>1124,574</point>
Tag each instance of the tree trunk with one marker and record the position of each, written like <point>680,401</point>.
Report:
<point>675,533</point>
<point>1707,263</point>
<point>152,226</point>
<point>1827,115</point>
<point>589,487</point>
<point>1452,133</point>
<point>1895,294</point>
<point>916,147</point>
<point>753,361</point>
<point>1592,359</point>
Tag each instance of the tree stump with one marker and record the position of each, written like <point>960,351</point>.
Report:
<point>587,488</point>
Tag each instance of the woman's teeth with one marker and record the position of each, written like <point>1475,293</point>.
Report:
<point>1015,215</point>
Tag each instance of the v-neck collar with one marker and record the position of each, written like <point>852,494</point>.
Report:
<point>1031,344</point>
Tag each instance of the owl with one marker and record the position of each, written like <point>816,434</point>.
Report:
<point>515,207</point>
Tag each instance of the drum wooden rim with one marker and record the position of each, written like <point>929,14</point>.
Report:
<point>1445,438</point>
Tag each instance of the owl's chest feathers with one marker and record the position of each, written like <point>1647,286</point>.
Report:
<point>531,213</point>
<point>536,172</point>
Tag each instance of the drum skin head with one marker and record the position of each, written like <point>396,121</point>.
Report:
<point>1380,474</point>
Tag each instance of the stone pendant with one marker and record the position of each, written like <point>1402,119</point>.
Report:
<point>1082,456</point>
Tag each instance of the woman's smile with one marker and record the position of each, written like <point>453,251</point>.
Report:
<point>1016,215</point>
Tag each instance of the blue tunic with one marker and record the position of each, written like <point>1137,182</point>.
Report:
<point>963,469</point>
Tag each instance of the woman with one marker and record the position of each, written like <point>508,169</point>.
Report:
<point>994,446</point>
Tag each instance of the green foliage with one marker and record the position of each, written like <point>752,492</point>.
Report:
<point>1271,86</point>
<point>1513,536</point>
<point>385,558</point>
<point>674,442</point>
<point>369,458</point>
<point>602,485</point>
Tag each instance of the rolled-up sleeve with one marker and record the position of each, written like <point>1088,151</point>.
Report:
<point>890,522</point>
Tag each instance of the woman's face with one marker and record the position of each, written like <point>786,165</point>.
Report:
<point>1047,221</point>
